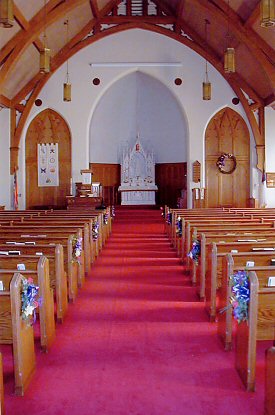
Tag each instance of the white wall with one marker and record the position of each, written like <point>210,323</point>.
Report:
<point>5,178</point>
<point>138,104</point>
<point>85,118</point>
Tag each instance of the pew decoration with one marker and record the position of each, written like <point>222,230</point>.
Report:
<point>113,212</point>
<point>95,230</point>
<point>29,301</point>
<point>179,227</point>
<point>169,218</point>
<point>223,166</point>
<point>77,248</point>
<point>105,218</point>
<point>240,295</point>
<point>195,251</point>
<point>162,211</point>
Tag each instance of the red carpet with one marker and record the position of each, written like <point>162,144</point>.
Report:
<point>136,341</point>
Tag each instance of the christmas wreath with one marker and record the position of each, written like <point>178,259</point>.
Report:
<point>226,168</point>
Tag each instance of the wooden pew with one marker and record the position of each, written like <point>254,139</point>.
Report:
<point>270,381</point>
<point>260,326</point>
<point>192,232</point>
<point>74,275</point>
<point>53,232</point>
<point>14,331</point>
<point>38,268</point>
<point>231,264</point>
<point>94,215</point>
<point>214,272</point>
<point>223,244</point>
<point>58,276</point>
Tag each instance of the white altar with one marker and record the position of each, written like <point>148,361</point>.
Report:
<point>138,177</point>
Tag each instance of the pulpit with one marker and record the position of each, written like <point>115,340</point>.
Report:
<point>137,176</point>
<point>88,193</point>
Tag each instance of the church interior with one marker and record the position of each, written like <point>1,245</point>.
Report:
<point>137,207</point>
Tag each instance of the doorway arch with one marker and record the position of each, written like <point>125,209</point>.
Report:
<point>227,134</point>
<point>48,127</point>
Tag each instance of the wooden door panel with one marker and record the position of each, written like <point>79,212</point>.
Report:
<point>227,133</point>
<point>48,127</point>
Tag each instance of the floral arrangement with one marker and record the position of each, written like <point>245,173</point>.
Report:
<point>169,218</point>
<point>221,163</point>
<point>95,230</point>
<point>113,212</point>
<point>179,227</point>
<point>105,218</point>
<point>195,251</point>
<point>29,301</point>
<point>77,248</point>
<point>240,295</point>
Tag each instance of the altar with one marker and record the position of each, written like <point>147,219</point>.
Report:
<point>137,176</point>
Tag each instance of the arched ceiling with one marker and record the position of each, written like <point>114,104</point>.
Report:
<point>182,20</point>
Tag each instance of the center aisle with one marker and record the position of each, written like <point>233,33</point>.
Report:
<point>137,340</point>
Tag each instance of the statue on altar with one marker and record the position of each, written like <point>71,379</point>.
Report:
<point>137,176</point>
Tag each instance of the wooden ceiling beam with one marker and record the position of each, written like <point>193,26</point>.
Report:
<point>254,16</point>
<point>24,24</point>
<point>179,13</point>
<point>257,46</point>
<point>94,8</point>
<point>10,46</point>
<point>55,10</point>
<point>5,102</point>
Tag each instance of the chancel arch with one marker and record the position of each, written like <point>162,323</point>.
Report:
<point>227,160</point>
<point>139,104</point>
<point>48,127</point>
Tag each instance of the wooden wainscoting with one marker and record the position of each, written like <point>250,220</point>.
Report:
<point>109,177</point>
<point>48,127</point>
<point>171,180</point>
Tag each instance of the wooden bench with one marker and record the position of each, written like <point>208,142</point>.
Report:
<point>58,276</point>
<point>224,310</point>
<point>223,244</point>
<point>215,266</point>
<point>192,232</point>
<point>194,222</point>
<point>260,326</point>
<point>53,232</point>
<point>38,268</point>
<point>73,270</point>
<point>14,331</point>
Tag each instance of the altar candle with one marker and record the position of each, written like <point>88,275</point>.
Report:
<point>71,186</point>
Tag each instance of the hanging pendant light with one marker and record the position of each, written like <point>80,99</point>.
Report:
<point>229,60</point>
<point>6,13</point>
<point>267,13</point>
<point>67,91</point>
<point>67,87</point>
<point>229,54</point>
<point>206,85</point>
<point>45,53</point>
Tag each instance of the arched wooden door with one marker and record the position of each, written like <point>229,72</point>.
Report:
<point>227,133</point>
<point>48,127</point>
